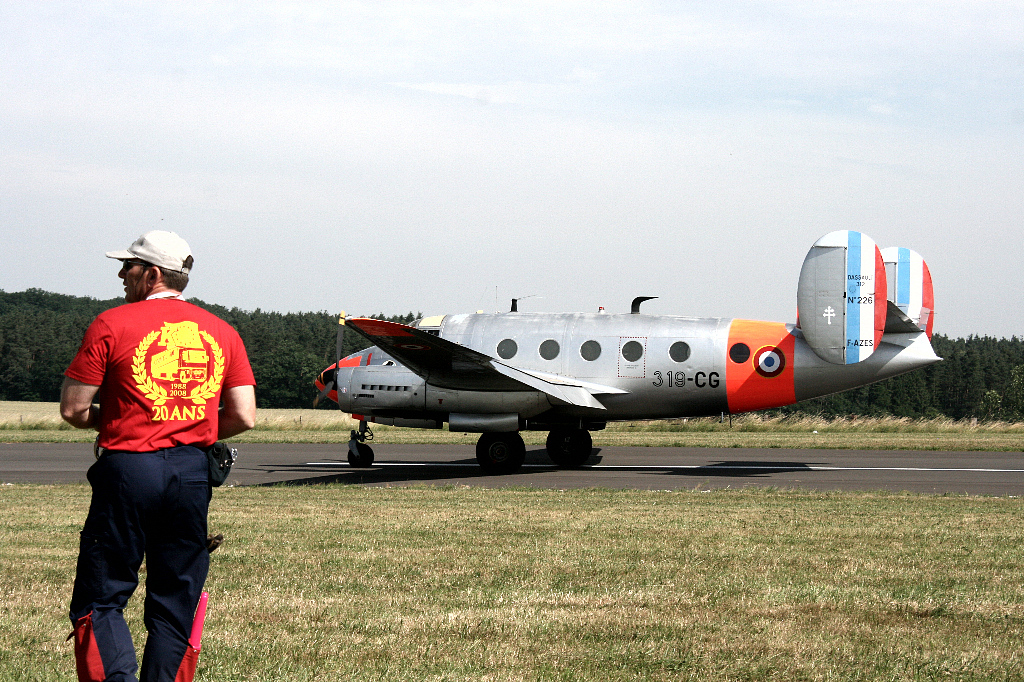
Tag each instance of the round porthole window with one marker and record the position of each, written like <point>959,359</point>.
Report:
<point>632,351</point>
<point>679,351</point>
<point>590,350</point>
<point>739,353</point>
<point>549,349</point>
<point>507,349</point>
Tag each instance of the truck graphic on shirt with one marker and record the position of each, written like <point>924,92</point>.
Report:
<point>185,358</point>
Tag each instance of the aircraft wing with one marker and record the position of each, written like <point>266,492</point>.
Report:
<point>581,394</point>
<point>450,365</point>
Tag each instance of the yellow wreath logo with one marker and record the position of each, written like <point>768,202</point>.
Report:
<point>149,388</point>
<point>205,391</point>
<point>184,360</point>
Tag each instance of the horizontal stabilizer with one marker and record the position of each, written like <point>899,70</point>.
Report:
<point>841,297</point>
<point>910,286</point>
<point>897,322</point>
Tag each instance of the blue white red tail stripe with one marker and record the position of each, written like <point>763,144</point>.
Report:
<point>854,268</point>
<point>903,265</point>
<point>912,287</point>
<point>862,286</point>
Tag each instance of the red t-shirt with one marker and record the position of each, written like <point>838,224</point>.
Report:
<point>161,365</point>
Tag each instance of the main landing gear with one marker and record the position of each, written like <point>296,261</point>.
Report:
<point>503,453</point>
<point>360,455</point>
<point>500,453</point>
<point>569,448</point>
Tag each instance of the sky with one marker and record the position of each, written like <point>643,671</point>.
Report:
<point>447,157</point>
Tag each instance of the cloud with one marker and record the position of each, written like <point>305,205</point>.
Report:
<point>483,94</point>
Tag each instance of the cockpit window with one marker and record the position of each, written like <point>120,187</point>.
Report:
<point>379,357</point>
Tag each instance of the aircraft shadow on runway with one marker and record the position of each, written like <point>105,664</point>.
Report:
<point>537,462</point>
<point>743,469</point>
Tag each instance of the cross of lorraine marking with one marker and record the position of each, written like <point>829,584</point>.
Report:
<point>829,314</point>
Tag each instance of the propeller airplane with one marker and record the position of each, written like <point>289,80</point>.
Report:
<point>864,314</point>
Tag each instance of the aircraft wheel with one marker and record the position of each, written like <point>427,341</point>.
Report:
<point>569,447</point>
<point>500,453</point>
<point>360,455</point>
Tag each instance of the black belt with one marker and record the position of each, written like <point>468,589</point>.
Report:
<point>101,451</point>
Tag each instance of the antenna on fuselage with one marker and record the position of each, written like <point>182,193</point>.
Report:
<point>515,302</point>
<point>635,308</point>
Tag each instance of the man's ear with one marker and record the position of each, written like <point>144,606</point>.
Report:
<point>153,276</point>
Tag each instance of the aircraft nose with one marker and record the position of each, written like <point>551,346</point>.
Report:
<point>327,375</point>
<point>338,381</point>
<point>341,377</point>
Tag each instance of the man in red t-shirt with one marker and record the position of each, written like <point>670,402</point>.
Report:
<point>171,379</point>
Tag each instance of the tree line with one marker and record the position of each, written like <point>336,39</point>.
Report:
<point>980,377</point>
<point>40,332</point>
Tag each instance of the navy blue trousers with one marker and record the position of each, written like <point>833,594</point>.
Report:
<point>151,504</point>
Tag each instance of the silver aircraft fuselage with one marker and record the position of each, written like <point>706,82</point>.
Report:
<point>634,366</point>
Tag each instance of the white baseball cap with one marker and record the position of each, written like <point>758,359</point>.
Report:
<point>163,249</point>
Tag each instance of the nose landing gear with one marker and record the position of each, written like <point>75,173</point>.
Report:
<point>360,455</point>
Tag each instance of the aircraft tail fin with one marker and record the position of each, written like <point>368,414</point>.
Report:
<point>841,297</point>
<point>909,287</point>
<point>851,293</point>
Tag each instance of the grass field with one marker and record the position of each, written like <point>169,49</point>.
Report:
<point>335,582</point>
<point>350,583</point>
<point>40,422</point>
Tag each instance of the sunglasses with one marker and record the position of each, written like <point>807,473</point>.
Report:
<point>129,264</point>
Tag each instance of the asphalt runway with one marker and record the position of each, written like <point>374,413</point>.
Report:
<point>643,468</point>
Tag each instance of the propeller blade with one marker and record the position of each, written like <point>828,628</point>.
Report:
<point>328,387</point>
<point>339,350</point>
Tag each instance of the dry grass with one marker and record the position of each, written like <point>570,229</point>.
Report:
<point>19,416</point>
<point>355,583</point>
<point>40,422</point>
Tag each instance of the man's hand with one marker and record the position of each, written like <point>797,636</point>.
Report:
<point>76,406</point>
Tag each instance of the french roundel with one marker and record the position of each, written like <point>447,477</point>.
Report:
<point>769,361</point>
